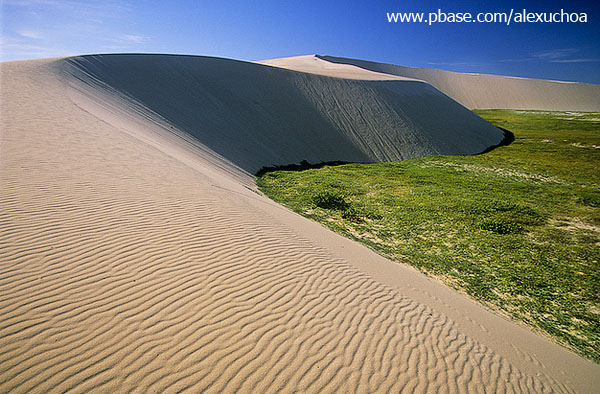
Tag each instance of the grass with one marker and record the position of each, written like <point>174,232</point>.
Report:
<point>517,228</point>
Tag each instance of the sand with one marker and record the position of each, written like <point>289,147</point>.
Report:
<point>315,65</point>
<point>472,90</point>
<point>258,116</point>
<point>135,258</point>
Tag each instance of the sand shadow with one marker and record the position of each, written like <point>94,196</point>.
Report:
<point>508,139</point>
<point>303,165</point>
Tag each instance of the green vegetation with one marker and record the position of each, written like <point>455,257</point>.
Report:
<point>517,228</point>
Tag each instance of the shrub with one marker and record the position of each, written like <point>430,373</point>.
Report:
<point>590,199</point>
<point>352,215</point>
<point>329,200</point>
<point>508,212</point>
<point>502,227</point>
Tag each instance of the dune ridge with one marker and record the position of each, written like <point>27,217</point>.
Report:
<point>315,65</point>
<point>482,91</point>
<point>133,258</point>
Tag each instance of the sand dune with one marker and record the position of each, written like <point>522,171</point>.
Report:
<point>474,90</point>
<point>135,258</point>
<point>260,116</point>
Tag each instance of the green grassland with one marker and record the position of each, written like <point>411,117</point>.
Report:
<point>517,228</point>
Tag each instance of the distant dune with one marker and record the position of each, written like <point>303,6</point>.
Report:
<point>479,90</point>
<point>136,254</point>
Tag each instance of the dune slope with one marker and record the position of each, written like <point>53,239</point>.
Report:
<point>133,258</point>
<point>481,90</point>
<point>256,115</point>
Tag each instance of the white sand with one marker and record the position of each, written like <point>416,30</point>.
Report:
<point>473,90</point>
<point>315,65</point>
<point>136,258</point>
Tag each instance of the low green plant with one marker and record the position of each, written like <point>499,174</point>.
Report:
<point>352,214</point>
<point>502,227</point>
<point>590,199</point>
<point>330,200</point>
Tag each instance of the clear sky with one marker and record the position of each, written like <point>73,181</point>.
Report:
<point>254,30</point>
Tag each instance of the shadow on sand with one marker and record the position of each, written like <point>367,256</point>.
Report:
<point>508,139</point>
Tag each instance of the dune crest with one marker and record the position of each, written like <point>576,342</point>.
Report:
<point>490,91</point>
<point>315,65</point>
<point>136,257</point>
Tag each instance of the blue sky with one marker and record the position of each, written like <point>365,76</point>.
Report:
<point>253,30</point>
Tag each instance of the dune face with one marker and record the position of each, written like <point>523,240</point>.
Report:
<point>259,116</point>
<point>135,258</point>
<point>491,91</point>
